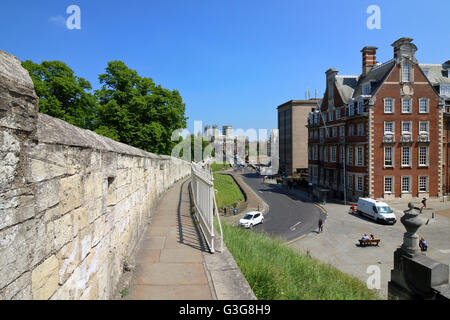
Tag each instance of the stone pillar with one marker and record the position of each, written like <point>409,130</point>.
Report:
<point>415,276</point>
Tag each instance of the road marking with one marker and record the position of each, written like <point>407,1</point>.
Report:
<point>293,227</point>
<point>296,239</point>
<point>445,251</point>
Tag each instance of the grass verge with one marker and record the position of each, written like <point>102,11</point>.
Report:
<point>228,192</point>
<point>277,272</point>
<point>219,166</point>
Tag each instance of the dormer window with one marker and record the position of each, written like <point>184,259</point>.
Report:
<point>366,88</point>
<point>445,89</point>
<point>406,72</point>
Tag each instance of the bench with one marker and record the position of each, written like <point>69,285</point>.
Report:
<point>364,243</point>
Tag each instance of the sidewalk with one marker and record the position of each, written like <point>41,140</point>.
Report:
<point>173,261</point>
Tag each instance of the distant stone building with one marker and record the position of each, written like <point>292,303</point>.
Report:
<point>293,135</point>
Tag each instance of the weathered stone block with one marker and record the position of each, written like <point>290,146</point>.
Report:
<point>94,185</point>
<point>69,258</point>
<point>80,220</point>
<point>70,193</point>
<point>47,194</point>
<point>44,279</point>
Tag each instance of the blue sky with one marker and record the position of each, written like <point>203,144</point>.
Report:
<point>233,61</point>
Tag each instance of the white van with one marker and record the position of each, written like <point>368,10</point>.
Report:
<point>377,210</point>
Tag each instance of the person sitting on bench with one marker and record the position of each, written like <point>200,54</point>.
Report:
<point>365,237</point>
<point>423,244</point>
<point>372,237</point>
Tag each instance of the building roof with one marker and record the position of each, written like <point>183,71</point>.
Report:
<point>308,103</point>
<point>376,77</point>
<point>437,73</point>
<point>346,85</point>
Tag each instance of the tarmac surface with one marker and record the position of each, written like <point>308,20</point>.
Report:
<point>338,243</point>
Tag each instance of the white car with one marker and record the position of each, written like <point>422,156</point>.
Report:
<point>251,219</point>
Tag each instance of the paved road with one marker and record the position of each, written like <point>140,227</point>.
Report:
<point>288,216</point>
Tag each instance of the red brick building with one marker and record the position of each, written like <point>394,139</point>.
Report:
<point>379,134</point>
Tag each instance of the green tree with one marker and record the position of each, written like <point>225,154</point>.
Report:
<point>135,111</point>
<point>62,94</point>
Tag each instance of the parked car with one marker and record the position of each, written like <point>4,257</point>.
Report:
<point>376,210</point>
<point>251,219</point>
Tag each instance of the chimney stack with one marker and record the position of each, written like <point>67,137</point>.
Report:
<point>404,47</point>
<point>369,59</point>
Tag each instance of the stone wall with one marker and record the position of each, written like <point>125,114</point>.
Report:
<point>73,204</point>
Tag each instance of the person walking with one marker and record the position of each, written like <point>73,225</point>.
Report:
<point>320,225</point>
<point>424,202</point>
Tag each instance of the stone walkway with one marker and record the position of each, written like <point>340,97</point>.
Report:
<point>169,260</point>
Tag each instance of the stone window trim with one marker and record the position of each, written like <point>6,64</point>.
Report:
<point>427,184</point>
<point>393,127</point>
<point>393,105</point>
<point>427,125</point>
<point>423,165</point>
<point>392,157</point>
<point>392,184</point>
<point>409,184</point>
<point>410,126</point>
<point>358,163</point>
<point>403,64</point>
<point>410,106</point>
<point>428,105</point>
<point>357,185</point>
<point>403,165</point>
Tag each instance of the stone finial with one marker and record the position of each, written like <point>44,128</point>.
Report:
<point>412,223</point>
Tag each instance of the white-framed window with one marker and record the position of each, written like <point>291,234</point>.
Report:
<point>388,184</point>
<point>406,126</point>
<point>342,131</point>
<point>423,105</point>
<point>330,116</point>
<point>388,105</point>
<point>366,88</point>
<point>316,134</point>
<point>327,130</point>
<point>360,156</point>
<point>351,130</point>
<point>350,156</point>
<point>406,156</point>
<point>333,154</point>
<point>342,154</point>
<point>325,154</point>
<point>389,127</point>
<point>406,105</point>
<point>360,129</point>
<point>388,156</point>
<point>359,183</point>
<point>445,89</point>
<point>406,72</point>
<point>315,171</point>
<point>324,115</point>
<point>351,109</point>
<point>423,184</point>
<point>315,149</point>
<point>350,182</point>
<point>406,184</point>
<point>423,156</point>
<point>321,132</point>
<point>360,107</point>
<point>338,114</point>
<point>424,126</point>
<point>311,134</point>
<point>335,132</point>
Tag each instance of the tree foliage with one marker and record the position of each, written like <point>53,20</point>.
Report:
<point>128,108</point>
<point>135,111</point>
<point>62,94</point>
